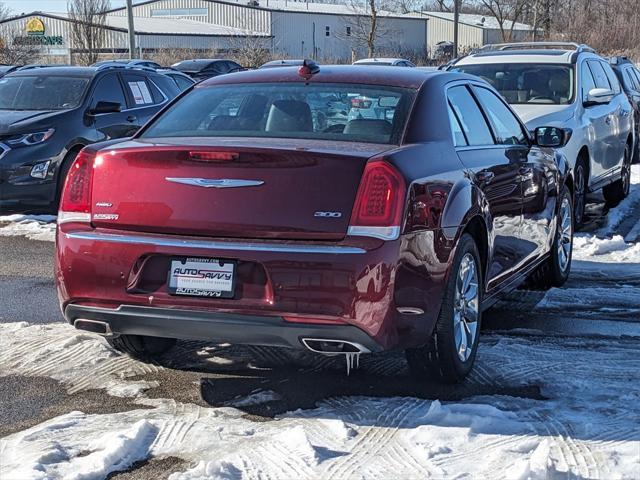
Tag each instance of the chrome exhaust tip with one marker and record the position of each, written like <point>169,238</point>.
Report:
<point>93,326</point>
<point>332,346</point>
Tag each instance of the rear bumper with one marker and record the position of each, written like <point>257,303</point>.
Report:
<point>214,326</point>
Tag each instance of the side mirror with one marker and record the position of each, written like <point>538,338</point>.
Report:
<point>598,96</point>
<point>106,107</point>
<point>554,137</point>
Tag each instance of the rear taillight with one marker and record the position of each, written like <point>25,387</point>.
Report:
<point>207,156</point>
<point>75,202</point>
<point>379,204</point>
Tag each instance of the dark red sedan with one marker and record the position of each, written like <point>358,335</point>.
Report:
<point>339,209</point>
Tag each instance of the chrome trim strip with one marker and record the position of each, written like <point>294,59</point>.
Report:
<point>383,233</point>
<point>5,149</point>
<point>215,182</point>
<point>212,244</point>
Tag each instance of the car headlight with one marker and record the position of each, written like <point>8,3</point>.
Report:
<point>28,139</point>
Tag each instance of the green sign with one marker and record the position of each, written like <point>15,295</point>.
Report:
<point>43,40</point>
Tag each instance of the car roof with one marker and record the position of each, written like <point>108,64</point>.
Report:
<point>363,75</point>
<point>283,63</point>
<point>59,71</point>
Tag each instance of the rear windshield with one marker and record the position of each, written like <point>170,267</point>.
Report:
<point>40,92</point>
<point>529,83</point>
<point>354,113</point>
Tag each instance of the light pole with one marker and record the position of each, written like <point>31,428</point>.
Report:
<point>456,18</point>
<point>132,32</point>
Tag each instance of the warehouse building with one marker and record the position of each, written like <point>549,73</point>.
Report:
<point>287,29</point>
<point>474,31</point>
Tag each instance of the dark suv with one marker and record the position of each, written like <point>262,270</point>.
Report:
<point>629,76</point>
<point>202,68</point>
<point>48,115</point>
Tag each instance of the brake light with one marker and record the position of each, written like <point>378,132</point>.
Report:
<point>379,206</point>
<point>75,202</point>
<point>213,156</point>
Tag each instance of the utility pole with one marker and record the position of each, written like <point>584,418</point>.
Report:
<point>132,32</point>
<point>456,19</point>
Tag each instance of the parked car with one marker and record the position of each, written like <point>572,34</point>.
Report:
<point>629,77</point>
<point>130,63</point>
<point>255,226</point>
<point>182,80</point>
<point>201,69</point>
<point>567,85</point>
<point>390,62</point>
<point>7,69</point>
<point>47,115</point>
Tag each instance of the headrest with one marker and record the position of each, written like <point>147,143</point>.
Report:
<point>289,116</point>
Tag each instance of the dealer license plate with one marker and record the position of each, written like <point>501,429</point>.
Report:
<point>202,277</point>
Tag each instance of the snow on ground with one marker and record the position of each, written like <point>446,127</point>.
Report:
<point>34,227</point>
<point>588,427</point>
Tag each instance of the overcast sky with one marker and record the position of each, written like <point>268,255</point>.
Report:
<point>26,6</point>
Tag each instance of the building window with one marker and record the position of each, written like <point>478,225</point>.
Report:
<point>179,12</point>
<point>327,31</point>
<point>348,31</point>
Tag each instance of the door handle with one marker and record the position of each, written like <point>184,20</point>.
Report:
<point>132,118</point>
<point>485,176</point>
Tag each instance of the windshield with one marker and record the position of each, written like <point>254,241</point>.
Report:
<point>527,83</point>
<point>39,92</point>
<point>355,113</point>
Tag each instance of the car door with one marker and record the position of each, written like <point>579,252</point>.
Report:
<point>144,98</point>
<point>496,173</point>
<point>621,122</point>
<point>601,117</point>
<point>108,88</point>
<point>535,169</point>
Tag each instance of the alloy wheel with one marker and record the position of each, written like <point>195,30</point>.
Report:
<point>565,234</point>
<point>465,308</point>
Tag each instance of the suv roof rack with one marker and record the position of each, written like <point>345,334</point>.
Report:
<point>616,59</point>
<point>34,66</point>
<point>578,47</point>
<point>126,66</point>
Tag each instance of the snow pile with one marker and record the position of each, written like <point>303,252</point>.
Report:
<point>584,429</point>
<point>34,227</point>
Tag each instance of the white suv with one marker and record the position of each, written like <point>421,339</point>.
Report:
<point>567,85</point>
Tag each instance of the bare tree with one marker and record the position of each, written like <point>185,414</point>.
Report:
<point>87,28</point>
<point>13,52</point>
<point>366,25</point>
<point>507,13</point>
<point>4,11</point>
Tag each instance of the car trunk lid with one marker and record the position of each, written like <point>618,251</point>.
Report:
<point>270,189</point>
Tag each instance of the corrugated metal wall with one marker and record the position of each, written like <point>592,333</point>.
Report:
<point>495,36</point>
<point>239,16</point>
<point>442,30</point>
<point>296,35</point>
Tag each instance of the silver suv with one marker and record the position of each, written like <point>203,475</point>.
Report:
<point>567,85</point>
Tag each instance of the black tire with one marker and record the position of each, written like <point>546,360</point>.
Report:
<point>617,191</point>
<point>555,270</point>
<point>141,347</point>
<point>636,152</point>
<point>581,183</point>
<point>439,360</point>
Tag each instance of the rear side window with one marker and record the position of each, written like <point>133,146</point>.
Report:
<point>139,91</point>
<point>344,112</point>
<point>109,89</point>
<point>459,139</point>
<point>471,118</point>
<point>599,75</point>
<point>506,126</point>
<point>183,83</point>
<point>630,79</point>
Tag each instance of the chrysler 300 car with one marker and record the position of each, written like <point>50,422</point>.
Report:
<point>235,217</point>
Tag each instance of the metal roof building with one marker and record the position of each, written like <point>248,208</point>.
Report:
<point>54,37</point>
<point>473,30</point>
<point>297,29</point>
